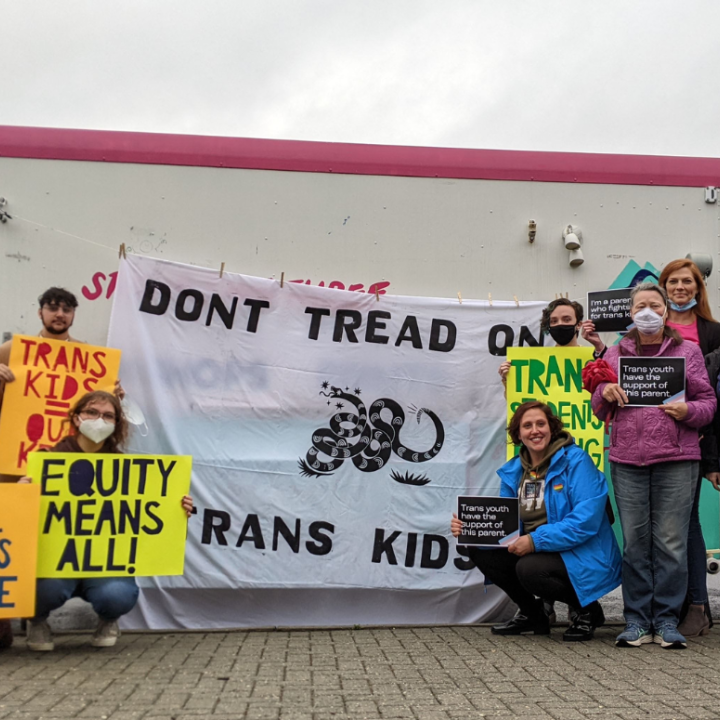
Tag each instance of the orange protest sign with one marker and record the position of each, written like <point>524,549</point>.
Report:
<point>19,517</point>
<point>50,375</point>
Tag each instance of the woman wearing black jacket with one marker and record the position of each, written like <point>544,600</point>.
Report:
<point>689,314</point>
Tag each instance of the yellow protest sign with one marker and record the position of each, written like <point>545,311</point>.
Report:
<point>50,375</point>
<point>554,376</point>
<point>104,515</point>
<point>19,513</point>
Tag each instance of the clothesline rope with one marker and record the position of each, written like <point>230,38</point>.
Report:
<point>61,232</point>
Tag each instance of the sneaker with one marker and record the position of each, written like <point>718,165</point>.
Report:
<point>39,636</point>
<point>106,634</point>
<point>6,634</point>
<point>633,636</point>
<point>584,622</point>
<point>668,637</point>
<point>535,622</point>
<point>549,608</point>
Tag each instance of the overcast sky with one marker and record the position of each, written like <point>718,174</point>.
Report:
<point>628,76</point>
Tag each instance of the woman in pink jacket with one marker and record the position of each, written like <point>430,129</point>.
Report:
<point>654,456</point>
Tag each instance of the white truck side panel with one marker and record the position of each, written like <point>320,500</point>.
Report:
<point>423,236</point>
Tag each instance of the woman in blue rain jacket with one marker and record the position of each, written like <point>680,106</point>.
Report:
<point>567,551</point>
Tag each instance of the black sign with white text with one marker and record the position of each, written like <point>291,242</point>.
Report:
<point>651,381</point>
<point>488,521</point>
<point>610,309</point>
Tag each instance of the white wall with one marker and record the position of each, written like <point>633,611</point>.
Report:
<point>431,237</point>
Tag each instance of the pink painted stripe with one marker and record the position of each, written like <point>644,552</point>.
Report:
<point>345,158</point>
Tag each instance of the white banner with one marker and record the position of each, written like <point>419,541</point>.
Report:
<point>331,433</point>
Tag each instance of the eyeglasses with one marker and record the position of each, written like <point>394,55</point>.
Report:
<point>94,415</point>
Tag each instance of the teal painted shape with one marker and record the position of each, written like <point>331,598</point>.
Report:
<point>624,278</point>
<point>710,515</point>
<point>629,275</point>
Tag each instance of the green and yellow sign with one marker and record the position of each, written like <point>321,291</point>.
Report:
<point>554,376</point>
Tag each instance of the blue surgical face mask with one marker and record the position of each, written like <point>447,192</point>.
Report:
<point>683,308</point>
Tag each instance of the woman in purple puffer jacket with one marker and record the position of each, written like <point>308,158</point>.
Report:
<point>654,456</point>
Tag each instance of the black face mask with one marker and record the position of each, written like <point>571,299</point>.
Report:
<point>563,334</point>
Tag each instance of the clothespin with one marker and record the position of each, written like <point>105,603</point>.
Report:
<point>459,297</point>
<point>517,302</point>
<point>222,269</point>
<point>490,299</point>
<point>377,293</point>
<point>121,252</point>
<point>282,279</point>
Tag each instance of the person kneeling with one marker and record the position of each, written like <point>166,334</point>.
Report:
<point>567,551</point>
<point>97,425</point>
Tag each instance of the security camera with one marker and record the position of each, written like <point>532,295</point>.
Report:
<point>713,566</point>
<point>704,263</point>
<point>572,236</point>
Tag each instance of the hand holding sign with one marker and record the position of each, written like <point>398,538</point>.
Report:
<point>456,525</point>
<point>6,374</point>
<point>676,410</point>
<point>187,505</point>
<point>612,392</point>
<point>522,546</point>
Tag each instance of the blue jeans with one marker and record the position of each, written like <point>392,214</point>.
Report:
<point>696,556</point>
<point>654,503</point>
<point>110,597</point>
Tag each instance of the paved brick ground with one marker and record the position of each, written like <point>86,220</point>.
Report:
<point>422,673</point>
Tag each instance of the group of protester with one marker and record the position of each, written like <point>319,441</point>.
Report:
<point>567,550</point>
<point>658,456</point>
<point>95,424</point>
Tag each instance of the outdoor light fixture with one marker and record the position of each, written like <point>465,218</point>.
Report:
<point>572,236</point>
<point>576,258</point>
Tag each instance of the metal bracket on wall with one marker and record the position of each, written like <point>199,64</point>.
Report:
<point>4,216</point>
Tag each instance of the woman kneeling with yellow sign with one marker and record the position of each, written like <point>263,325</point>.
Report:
<point>97,425</point>
<point>567,551</point>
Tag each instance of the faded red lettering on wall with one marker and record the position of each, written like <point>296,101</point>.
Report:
<point>97,290</point>
<point>102,285</point>
<point>355,287</point>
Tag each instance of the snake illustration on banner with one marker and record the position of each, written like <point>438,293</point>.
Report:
<point>367,440</point>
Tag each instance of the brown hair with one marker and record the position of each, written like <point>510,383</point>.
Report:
<point>116,442</point>
<point>555,423</point>
<point>547,312</point>
<point>57,295</point>
<point>702,309</point>
<point>634,334</point>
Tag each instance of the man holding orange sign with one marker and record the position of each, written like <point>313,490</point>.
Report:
<point>42,377</point>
